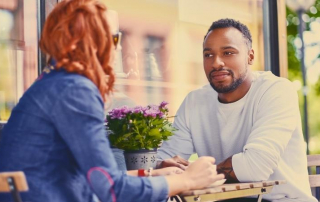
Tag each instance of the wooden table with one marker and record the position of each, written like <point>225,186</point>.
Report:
<point>229,191</point>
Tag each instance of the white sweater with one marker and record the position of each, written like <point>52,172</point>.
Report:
<point>262,131</point>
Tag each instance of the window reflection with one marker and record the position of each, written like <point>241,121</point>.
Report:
<point>159,56</point>
<point>162,44</point>
<point>18,51</point>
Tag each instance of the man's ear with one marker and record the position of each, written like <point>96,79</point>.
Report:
<point>250,56</point>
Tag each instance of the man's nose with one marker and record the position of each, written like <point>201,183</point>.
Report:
<point>217,62</point>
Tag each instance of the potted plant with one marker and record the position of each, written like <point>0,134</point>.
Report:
<point>139,131</point>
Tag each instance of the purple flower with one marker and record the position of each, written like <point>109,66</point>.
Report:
<point>161,115</point>
<point>150,113</point>
<point>163,104</point>
<point>126,110</point>
<point>153,111</point>
<point>139,109</point>
<point>153,107</point>
<point>120,112</point>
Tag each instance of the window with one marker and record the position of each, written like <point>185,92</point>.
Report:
<point>160,57</point>
<point>18,51</point>
<point>162,44</point>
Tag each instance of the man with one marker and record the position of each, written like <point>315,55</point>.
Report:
<point>249,121</point>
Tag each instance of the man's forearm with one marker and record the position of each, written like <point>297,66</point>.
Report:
<point>225,167</point>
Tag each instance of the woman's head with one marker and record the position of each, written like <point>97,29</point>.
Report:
<point>77,35</point>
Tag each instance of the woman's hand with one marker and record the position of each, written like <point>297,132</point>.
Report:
<point>202,173</point>
<point>167,171</point>
<point>198,175</point>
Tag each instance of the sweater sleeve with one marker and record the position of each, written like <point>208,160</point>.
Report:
<point>78,117</point>
<point>181,142</point>
<point>276,119</point>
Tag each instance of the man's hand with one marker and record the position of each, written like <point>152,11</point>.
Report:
<point>225,167</point>
<point>176,161</point>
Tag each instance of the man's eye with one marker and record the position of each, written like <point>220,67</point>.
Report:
<point>206,55</point>
<point>228,53</point>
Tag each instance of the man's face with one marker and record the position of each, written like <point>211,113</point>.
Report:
<point>226,57</point>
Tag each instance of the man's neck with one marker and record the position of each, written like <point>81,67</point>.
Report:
<point>239,92</point>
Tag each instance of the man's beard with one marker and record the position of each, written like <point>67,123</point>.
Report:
<point>229,88</point>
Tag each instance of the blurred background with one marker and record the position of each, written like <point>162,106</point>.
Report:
<point>160,52</point>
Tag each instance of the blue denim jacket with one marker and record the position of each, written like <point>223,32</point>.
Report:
<point>56,136</point>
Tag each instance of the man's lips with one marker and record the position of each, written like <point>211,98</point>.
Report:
<point>219,75</point>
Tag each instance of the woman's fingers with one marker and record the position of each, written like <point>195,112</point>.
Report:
<point>202,173</point>
<point>218,177</point>
<point>208,158</point>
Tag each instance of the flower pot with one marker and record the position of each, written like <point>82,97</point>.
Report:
<point>140,159</point>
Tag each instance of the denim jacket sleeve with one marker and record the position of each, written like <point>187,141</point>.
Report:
<point>78,116</point>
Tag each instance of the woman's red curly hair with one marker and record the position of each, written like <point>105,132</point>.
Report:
<point>77,35</point>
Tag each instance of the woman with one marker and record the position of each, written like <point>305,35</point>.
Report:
<point>55,134</point>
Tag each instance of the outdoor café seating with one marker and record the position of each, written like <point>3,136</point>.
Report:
<point>14,183</point>
<point>314,179</point>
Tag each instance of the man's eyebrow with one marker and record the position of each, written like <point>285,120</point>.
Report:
<point>228,47</point>
<point>206,49</point>
<point>222,48</point>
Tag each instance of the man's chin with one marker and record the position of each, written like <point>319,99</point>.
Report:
<point>221,88</point>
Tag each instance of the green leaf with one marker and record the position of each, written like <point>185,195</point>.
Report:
<point>127,135</point>
<point>154,132</point>
<point>166,133</point>
<point>157,121</point>
<point>138,137</point>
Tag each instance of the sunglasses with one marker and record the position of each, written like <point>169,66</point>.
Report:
<point>116,38</point>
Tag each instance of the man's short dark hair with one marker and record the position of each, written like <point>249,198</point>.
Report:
<point>225,23</point>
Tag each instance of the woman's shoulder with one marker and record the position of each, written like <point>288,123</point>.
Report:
<point>62,79</point>
<point>61,84</point>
